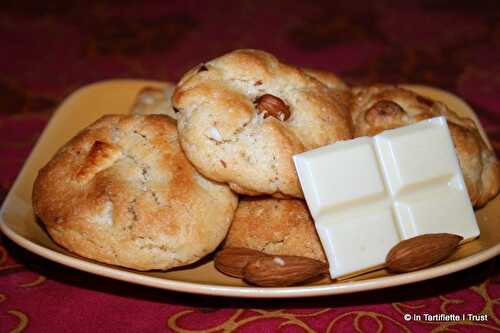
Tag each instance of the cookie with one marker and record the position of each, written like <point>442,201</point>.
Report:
<point>273,226</point>
<point>123,193</point>
<point>330,79</point>
<point>154,100</point>
<point>243,115</point>
<point>340,91</point>
<point>382,107</point>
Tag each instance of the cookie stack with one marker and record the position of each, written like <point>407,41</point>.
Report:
<point>159,188</point>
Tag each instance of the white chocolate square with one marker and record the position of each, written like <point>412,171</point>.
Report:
<point>340,242</point>
<point>430,214</point>
<point>397,151</point>
<point>330,193</point>
<point>368,194</point>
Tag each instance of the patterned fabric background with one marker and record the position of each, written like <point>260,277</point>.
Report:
<point>51,48</point>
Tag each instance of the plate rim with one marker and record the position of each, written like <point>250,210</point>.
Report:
<point>335,288</point>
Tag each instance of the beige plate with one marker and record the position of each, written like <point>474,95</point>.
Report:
<point>87,104</point>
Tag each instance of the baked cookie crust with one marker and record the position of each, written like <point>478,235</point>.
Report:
<point>243,116</point>
<point>273,226</point>
<point>122,192</point>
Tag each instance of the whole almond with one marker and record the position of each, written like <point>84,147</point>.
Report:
<point>282,271</point>
<point>421,251</point>
<point>385,112</point>
<point>232,260</point>
<point>270,105</point>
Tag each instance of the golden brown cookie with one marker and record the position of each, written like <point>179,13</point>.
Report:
<point>122,192</point>
<point>154,100</point>
<point>330,79</point>
<point>339,89</point>
<point>243,115</point>
<point>382,107</point>
<point>273,226</point>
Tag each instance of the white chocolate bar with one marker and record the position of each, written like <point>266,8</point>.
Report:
<point>368,194</point>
